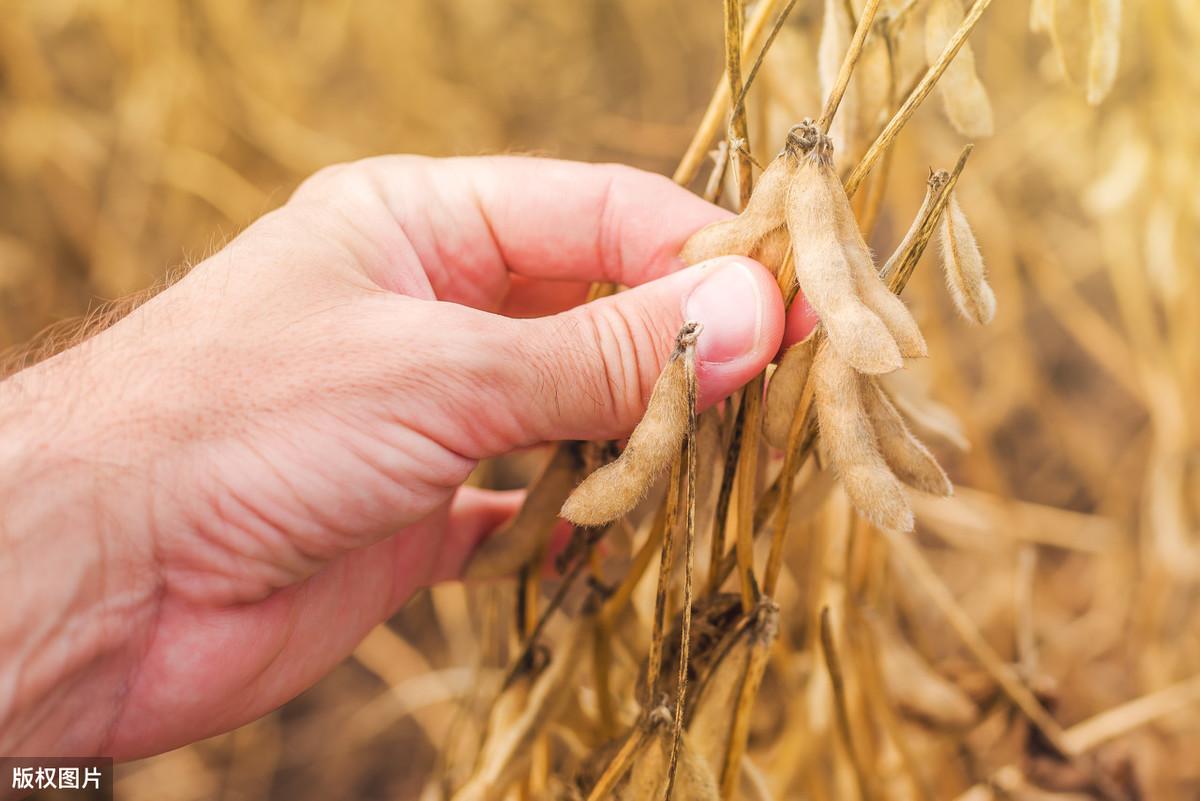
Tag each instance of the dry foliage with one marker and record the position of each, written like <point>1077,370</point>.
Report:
<point>1034,638</point>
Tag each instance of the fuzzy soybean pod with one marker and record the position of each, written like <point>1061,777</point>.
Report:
<point>963,94</point>
<point>848,443</point>
<point>785,391</point>
<point>910,461</point>
<point>871,288</point>
<point>759,232</point>
<point>963,265</point>
<point>613,490</point>
<point>826,275</point>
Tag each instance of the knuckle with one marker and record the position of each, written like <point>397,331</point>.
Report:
<point>629,342</point>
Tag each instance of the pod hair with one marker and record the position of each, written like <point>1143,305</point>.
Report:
<point>910,461</point>
<point>828,271</point>
<point>614,489</point>
<point>963,94</point>
<point>849,444</point>
<point>963,265</point>
<point>759,232</point>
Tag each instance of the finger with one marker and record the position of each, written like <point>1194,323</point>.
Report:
<point>474,515</point>
<point>801,320</point>
<point>587,373</point>
<point>471,222</point>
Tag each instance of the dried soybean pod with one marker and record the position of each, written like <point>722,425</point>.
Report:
<point>509,743</point>
<point>926,418</point>
<point>848,442</point>
<point>920,691</point>
<point>871,288</point>
<point>785,389</point>
<point>751,231</point>
<point>694,780</point>
<point>716,697</point>
<point>614,489</point>
<point>824,273</point>
<point>963,265</point>
<point>1105,48</point>
<point>512,546</point>
<point>910,461</point>
<point>963,94</point>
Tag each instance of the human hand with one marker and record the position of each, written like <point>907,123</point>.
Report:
<point>223,492</point>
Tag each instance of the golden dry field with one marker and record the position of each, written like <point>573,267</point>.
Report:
<point>1038,637</point>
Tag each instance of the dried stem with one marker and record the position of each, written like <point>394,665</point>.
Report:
<point>900,267</point>
<point>793,460</point>
<point>837,679</point>
<point>1099,729</point>
<point>848,63</point>
<point>740,102</point>
<point>639,737</point>
<point>641,561</point>
<point>716,556</point>
<point>911,557</point>
<point>718,105</point>
<point>654,665</point>
<point>685,637</point>
<point>556,600</point>
<point>915,98</point>
<point>716,179</point>
<point>765,630</point>
<point>747,481</point>
<point>740,133</point>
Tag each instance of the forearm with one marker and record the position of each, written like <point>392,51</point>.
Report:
<point>77,597</point>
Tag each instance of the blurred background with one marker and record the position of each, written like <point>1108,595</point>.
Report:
<point>139,136</point>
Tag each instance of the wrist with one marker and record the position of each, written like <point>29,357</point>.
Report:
<point>77,559</point>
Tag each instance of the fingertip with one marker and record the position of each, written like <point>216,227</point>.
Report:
<point>738,303</point>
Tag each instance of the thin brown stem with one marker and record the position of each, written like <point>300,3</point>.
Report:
<point>654,664</point>
<point>841,706</point>
<point>689,539</point>
<point>903,548</point>
<point>900,267</point>
<point>747,482</point>
<point>740,132</point>
<point>766,629</point>
<point>718,105</point>
<point>848,64</point>
<point>914,100</point>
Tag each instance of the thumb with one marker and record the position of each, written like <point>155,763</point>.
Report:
<point>601,359</point>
